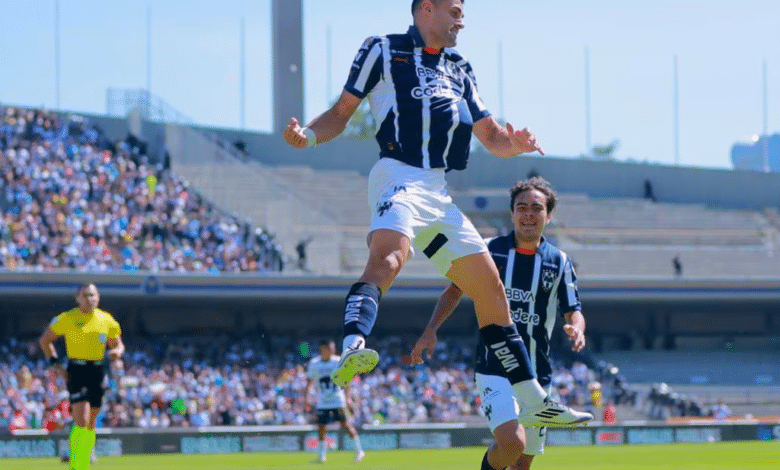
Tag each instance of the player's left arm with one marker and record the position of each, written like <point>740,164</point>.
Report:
<point>503,141</point>
<point>575,329</point>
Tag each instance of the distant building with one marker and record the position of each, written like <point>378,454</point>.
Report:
<point>751,156</point>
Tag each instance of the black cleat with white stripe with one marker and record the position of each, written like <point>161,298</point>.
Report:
<point>553,414</point>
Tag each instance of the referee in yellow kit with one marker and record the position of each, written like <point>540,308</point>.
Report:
<point>88,330</point>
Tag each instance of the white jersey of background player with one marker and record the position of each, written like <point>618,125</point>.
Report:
<point>331,400</point>
<point>328,394</point>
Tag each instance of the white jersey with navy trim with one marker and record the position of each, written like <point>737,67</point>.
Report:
<point>329,395</point>
<point>538,287</point>
<point>424,101</point>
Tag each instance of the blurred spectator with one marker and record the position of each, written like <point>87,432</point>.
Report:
<point>649,194</point>
<point>677,265</point>
<point>194,382</point>
<point>720,411</point>
<point>69,199</point>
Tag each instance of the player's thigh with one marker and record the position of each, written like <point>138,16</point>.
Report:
<point>476,275</point>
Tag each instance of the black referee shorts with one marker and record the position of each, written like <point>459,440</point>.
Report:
<point>85,382</point>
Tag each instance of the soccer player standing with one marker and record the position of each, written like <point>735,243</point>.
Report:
<point>540,283</point>
<point>88,331</point>
<point>424,99</point>
<point>331,400</point>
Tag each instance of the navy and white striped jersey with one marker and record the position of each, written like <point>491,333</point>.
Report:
<point>539,287</point>
<point>424,101</point>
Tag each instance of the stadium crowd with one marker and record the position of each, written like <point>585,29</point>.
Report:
<point>205,382</point>
<point>71,199</point>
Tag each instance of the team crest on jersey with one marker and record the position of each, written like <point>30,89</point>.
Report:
<point>102,337</point>
<point>548,279</point>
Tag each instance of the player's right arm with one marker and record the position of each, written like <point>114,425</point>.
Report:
<point>446,304</point>
<point>364,74</point>
<point>46,342</point>
<point>307,394</point>
<point>327,125</point>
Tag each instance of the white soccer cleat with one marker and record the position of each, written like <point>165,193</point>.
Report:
<point>553,414</point>
<point>360,456</point>
<point>353,362</point>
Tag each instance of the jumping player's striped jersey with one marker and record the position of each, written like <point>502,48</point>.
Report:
<point>424,101</point>
<point>329,395</point>
<point>539,287</point>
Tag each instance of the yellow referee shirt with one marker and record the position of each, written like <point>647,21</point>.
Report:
<point>86,335</point>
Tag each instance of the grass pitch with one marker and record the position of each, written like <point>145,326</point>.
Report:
<point>715,456</point>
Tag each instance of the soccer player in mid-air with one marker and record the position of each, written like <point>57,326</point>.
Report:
<point>540,284</point>
<point>424,99</point>
<point>331,400</point>
<point>88,331</point>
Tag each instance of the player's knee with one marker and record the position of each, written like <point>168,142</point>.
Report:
<point>388,265</point>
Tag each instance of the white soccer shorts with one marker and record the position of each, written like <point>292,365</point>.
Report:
<point>414,201</point>
<point>500,406</point>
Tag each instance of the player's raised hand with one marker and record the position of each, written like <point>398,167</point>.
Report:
<point>576,336</point>
<point>426,341</point>
<point>523,141</point>
<point>293,134</point>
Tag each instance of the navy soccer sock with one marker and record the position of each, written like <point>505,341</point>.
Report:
<point>505,343</point>
<point>485,464</point>
<point>360,311</point>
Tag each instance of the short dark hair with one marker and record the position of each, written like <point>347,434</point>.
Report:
<point>538,183</point>
<point>84,286</point>
<point>326,342</point>
<point>416,3</point>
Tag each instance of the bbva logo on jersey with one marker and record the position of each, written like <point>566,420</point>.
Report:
<point>519,295</point>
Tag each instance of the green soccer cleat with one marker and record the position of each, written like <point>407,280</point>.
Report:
<point>352,363</point>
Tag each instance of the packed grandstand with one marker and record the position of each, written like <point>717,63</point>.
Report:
<point>72,199</point>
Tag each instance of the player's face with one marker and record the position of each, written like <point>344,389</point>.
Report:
<point>325,352</point>
<point>529,215</point>
<point>447,21</point>
<point>88,298</point>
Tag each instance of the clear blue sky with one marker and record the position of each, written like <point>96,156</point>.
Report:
<point>195,63</point>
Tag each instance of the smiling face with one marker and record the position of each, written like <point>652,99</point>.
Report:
<point>530,217</point>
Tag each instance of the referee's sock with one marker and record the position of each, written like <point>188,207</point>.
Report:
<point>76,441</point>
<point>360,312</point>
<point>88,443</point>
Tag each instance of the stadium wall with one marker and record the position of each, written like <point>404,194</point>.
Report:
<point>621,314</point>
<point>724,188</point>
<point>225,440</point>
<point>741,189</point>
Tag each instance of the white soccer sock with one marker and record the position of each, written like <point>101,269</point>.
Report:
<point>529,393</point>
<point>358,447</point>
<point>323,449</point>
<point>353,342</point>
